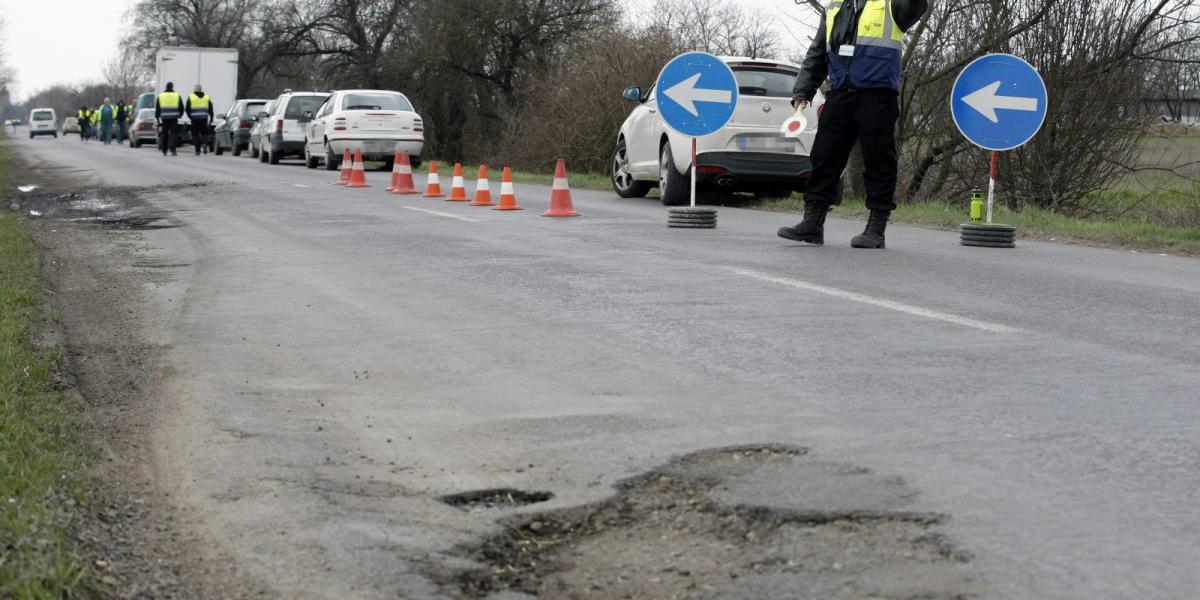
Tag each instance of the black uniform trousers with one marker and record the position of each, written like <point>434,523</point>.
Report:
<point>866,116</point>
<point>200,132</point>
<point>169,140</point>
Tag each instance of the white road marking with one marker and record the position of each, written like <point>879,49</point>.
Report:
<point>880,302</point>
<point>300,185</point>
<point>441,214</point>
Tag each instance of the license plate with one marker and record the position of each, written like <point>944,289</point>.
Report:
<point>379,147</point>
<point>766,143</point>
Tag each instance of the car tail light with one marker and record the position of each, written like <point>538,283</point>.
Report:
<point>339,124</point>
<point>279,126</point>
<point>711,170</point>
<point>820,111</point>
<point>244,124</point>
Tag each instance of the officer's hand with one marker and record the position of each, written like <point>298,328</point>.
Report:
<point>799,104</point>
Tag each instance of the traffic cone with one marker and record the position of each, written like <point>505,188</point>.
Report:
<point>358,177</point>
<point>433,185</point>
<point>508,200</point>
<point>458,189</point>
<point>402,179</point>
<point>395,172</point>
<point>347,166</point>
<point>560,194</point>
<point>483,189</point>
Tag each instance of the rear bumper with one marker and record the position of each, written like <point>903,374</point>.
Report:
<point>753,170</point>
<point>378,149</point>
<point>284,147</point>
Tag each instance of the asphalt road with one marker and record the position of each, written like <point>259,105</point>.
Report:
<point>1045,398</point>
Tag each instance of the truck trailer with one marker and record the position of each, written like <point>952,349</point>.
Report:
<point>215,69</point>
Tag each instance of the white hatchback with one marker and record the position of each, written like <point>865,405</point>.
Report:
<point>378,123</point>
<point>749,154</point>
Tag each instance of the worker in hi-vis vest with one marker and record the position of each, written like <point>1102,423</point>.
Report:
<point>200,111</point>
<point>167,110</point>
<point>858,47</point>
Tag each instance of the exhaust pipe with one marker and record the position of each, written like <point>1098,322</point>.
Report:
<point>726,180</point>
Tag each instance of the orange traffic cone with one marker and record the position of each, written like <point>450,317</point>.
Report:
<point>433,185</point>
<point>402,179</point>
<point>358,177</point>
<point>483,189</point>
<point>347,166</point>
<point>395,172</point>
<point>560,194</point>
<point>458,189</point>
<point>508,200</point>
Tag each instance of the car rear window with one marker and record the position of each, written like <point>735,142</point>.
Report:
<point>763,81</point>
<point>253,108</point>
<point>43,115</point>
<point>376,102</point>
<point>299,105</point>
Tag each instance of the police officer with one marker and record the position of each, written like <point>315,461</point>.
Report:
<point>122,120</point>
<point>858,46</point>
<point>83,118</point>
<point>199,110</point>
<point>168,107</point>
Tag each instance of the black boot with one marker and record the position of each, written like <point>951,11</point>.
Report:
<point>872,236</point>
<point>810,230</point>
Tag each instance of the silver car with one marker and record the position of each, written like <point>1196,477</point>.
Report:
<point>143,130</point>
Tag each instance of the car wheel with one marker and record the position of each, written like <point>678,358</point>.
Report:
<point>263,155</point>
<point>236,150</point>
<point>673,188</point>
<point>219,149</point>
<point>310,161</point>
<point>622,178</point>
<point>253,150</point>
<point>331,162</point>
<point>273,158</point>
<point>136,143</point>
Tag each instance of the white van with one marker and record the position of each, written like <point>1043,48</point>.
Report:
<point>43,121</point>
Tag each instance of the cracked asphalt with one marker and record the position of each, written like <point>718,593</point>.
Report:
<point>335,363</point>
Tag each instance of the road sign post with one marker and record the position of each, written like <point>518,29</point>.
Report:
<point>697,96</point>
<point>998,103</point>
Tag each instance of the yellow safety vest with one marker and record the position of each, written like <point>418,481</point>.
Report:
<point>878,47</point>
<point>169,105</point>
<point>196,102</point>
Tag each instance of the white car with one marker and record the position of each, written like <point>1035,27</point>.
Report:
<point>377,122</point>
<point>143,129</point>
<point>260,122</point>
<point>749,154</point>
<point>282,133</point>
<point>43,121</point>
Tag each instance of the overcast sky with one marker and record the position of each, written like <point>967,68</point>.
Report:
<point>68,41</point>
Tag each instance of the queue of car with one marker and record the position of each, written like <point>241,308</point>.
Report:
<point>748,155</point>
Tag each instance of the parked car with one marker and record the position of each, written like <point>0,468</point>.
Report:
<point>377,122</point>
<point>41,122</point>
<point>70,125</point>
<point>749,154</point>
<point>145,100</point>
<point>256,129</point>
<point>143,129</point>
<point>233,132</point>
<point>283,133</point>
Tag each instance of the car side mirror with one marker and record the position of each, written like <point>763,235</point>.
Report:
<point>261,115</point>
<point>633,94</point>
<point>307,116</point>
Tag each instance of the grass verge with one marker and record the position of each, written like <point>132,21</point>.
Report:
<point>1132,232</point>
<point>42,451</point>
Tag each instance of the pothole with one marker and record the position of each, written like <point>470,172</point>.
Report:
<point>495,499</point>
<point>743,522</point>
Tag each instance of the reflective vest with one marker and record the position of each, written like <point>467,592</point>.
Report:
<point>170,105</point>
<point>112,112</point>
<point>94,116</point>
<point>199,105</point>
<point>878,46</point>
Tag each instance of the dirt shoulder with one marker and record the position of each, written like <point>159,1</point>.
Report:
<point>110,262</point>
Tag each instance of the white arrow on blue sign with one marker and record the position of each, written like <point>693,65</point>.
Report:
<point>999,102</point>
<point>697,94</point>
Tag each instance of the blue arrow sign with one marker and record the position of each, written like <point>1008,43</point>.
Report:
<point>697,93</point>
<point>999,102</point>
